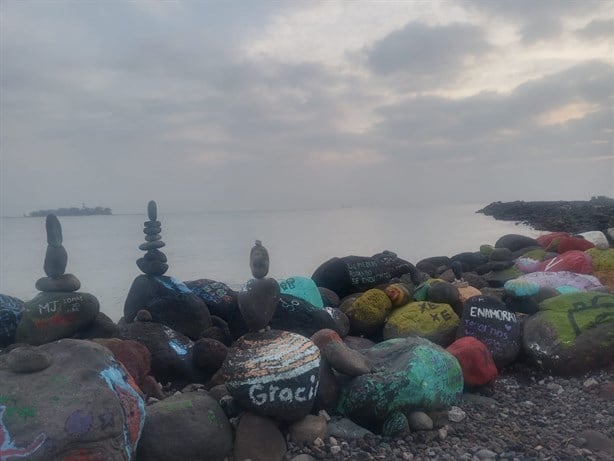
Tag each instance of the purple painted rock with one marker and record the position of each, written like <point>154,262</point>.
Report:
<point>65,282</point>
<point>273,373</point>
<point>84,405</point>
<point>170,302</point>
<point>11,311</point>
<point>258,302</point>
<point>51,316</point>
<point>488,319</point>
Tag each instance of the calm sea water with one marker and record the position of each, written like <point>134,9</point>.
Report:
<point>102,250</point>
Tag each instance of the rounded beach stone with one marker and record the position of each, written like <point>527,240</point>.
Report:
<point>298,316</point>
<point>152,230</point>
<point>28,359</point>
<point>152,224</point>
<point>602,260</point>
<point>443,292</point>
<point>152,238</point>
<point>258,302</point>
<point>54,230</point>
<point>306,430</point>
<point>151,245</point>
<point>341,357</point>
<point>368,312</point>
<point>64,282</point>
<point>573,260</point>
<point>209,354</point>
<point>436,322</point>
<point>273,373</point>
<point>597,238</point>
<point>515,242</point>
<point>399,293</point>
<point>133,355</point>
<point>329,297</point>
<point>303,288</point>
<point>152,210</point>
<point>11,311</point>
<point>56,259</point>
<point>258,438</point>
<point>155,255</point>
<point>259,260</point>
<point>151,267</point>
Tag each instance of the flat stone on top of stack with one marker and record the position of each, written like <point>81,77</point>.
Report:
<point>154,261</point>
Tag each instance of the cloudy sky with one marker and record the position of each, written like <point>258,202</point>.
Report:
<point>212,105</point>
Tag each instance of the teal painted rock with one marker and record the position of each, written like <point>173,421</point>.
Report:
<point>436,322</point>
<point>410,373</point>
<point>302,287</point>
<point>51,316</point>
<point>572,334</point>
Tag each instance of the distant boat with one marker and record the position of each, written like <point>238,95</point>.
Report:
<point>74,211</point>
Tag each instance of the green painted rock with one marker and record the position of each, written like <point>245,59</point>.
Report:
<point>411,373</point>
<point>572,333</point>
<point>83,405</point>
<point>603,260</point>
<point>497,279</point>
<point>51,316</point>
<point>368,312</point>
<point>433,321</point>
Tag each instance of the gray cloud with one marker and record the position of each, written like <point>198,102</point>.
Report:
<point>598,29</point>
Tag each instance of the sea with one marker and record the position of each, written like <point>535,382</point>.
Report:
<point>102,250</point>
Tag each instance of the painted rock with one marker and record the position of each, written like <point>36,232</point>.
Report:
<point>354,274</point>
<point>302,287</point>
<point>273,373</point>
<point>170,302</point>
<point>489,320</point>
<point>572,333</point>
<point>521,287</point>
<point>551,240</point>
<point>258,302</point>
<point>605,277</point>
<point>65,282</point>
<point>465,292</point>
<point>11,311</point>
<point>602,260</point>
<point>475,360</point>
<point>83,406</point>
<point>399,293</point>
<point>597,238</point>
<point>573,261</point>
<point>515,242</point>
<point>497,279</point>
<point>583,282</point>
<point>573,243</point>
<point>199,426</point>
<point>527,265</point>
<point>51,316</point>
<point>368,312</point>
<point>134,356</point>
<point>443,292</point>
<point>411,373</point>
<point>436,322</point>
<point>298,316</point>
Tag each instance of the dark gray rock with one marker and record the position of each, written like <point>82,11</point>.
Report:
<point>64,282</point>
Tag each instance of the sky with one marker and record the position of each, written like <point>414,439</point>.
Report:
<point>257,105</point>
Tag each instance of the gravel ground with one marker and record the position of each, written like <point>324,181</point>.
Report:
<point>528,415</point>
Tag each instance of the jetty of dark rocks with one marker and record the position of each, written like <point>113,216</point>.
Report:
<point>501,353</point>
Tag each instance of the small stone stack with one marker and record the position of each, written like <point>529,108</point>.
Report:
<point>154,261</point>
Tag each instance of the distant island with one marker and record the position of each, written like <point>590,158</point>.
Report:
<point>73,211</point>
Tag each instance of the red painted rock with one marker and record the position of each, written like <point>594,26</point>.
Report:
<point>551,240</point>
<point>134,356</point>
<point>573,243</point>
<point>475,360</point>
<point>573,261</point>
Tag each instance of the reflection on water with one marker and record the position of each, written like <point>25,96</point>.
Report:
<point>102,250</point>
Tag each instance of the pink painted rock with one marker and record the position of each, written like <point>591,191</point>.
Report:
<point>573,261</point>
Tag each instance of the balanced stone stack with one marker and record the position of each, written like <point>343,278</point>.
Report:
<point>154,261</point>
<point>59,311</point>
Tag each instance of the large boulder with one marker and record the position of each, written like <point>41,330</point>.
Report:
<point>572,333</point>
<point>185,426</point>
<point>11,311</point>
<point>170,302</point>
<point>515,242</point>
<point>78,403</point>
<point>411,373</point>
<point>51,316</point>
<point>354,274</point>
<point>488,319</point>
<point>436,322</point>
<point>273,373</point>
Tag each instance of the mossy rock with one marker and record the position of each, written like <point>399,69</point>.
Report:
<point>537,254</point>
<point>368,312</point>
<point>486,250</point>
<point>436,322</point>
<point>603,260</point>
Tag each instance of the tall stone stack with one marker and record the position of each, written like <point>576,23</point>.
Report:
<point>154,261</point>
<point>59,310</point>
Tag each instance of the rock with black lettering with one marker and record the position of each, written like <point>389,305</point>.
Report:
<point>572,333</point>
<point>410,373</point>
<point>489,320</point>
<point>81,405</point>
<point>299,316</point>
<point>11,311</point>
<point>51,316</point>
<point>436,322</point>
<point>273,373</point>
<point>170,302</point>
<point>355,274</point>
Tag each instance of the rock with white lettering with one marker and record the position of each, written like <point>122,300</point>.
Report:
<point>436,322</point>
<point>51,316</point>
<point>411,373</point>
<point>82,405</point>
<point>299,316</point>
<point>355,274</point>
<point>489,320</point>
<point>170,302</point>
<point>572,333</point>
<point>273,373</point>
<point>11,311</point>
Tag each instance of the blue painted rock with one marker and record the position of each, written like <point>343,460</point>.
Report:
<point>436,322</point>
<point>51,316</point>
<point>298,316</point>
<point>411,373</point>
<point>515,242</point>
<point>489,320</point>
<point>302,287</point>
<point>222,302</point>
<point>84,405</point>
<point>258,302</point>
<point>11,311</point>
<point>367,312</point>
<point>273,373</point>
<point>572,333</point>
<point>199,426</point>
<point>170,302</point>
<point>475,360</point>
<point>354,274</point>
